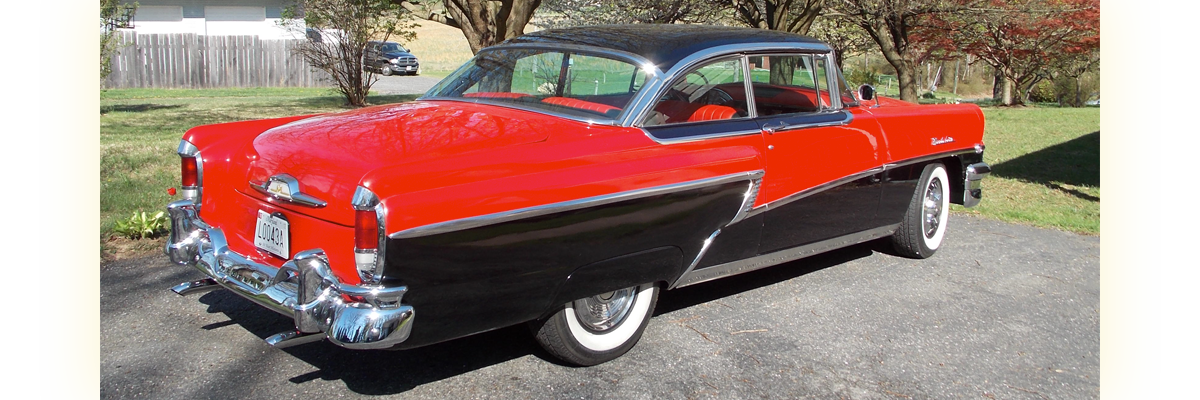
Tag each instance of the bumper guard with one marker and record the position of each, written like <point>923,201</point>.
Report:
<point>974,187</point>
<point>304,288</point>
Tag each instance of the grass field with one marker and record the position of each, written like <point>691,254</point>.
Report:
<point>1046,161</point>
<point>1045,167</point>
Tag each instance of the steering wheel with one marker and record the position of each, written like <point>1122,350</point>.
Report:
<point>716,96</point>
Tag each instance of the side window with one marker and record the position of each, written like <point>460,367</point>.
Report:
<point>788,84</point>
<point>537,74</point>
<point>711,91</point>
<point>598,76</point>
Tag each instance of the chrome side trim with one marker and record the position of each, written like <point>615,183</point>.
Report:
<point>748,201</point>
<point>535,211</point>
<point>294,195</point>
<point>847,117</point>
<point>699,137</point>
<point>699,256</point>
<point>780,257</point>
<point>931,157</point>
<point>814,190</point>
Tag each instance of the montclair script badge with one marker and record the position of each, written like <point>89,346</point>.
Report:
<point>941,140</point>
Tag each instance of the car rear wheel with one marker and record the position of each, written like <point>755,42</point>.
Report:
<point>600,328</point>
<point>924,226</point>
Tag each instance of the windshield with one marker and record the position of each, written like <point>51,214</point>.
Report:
<point>391,47</point>
<point>574,84</point>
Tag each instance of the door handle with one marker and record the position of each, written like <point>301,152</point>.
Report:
<point>769,129</point>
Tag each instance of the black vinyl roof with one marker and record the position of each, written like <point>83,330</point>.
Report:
<point>662,44</point>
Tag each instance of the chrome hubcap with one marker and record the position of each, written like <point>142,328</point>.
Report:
<point>602,312</point>
<point>932,208</point>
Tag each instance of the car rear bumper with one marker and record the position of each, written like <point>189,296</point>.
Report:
<point>304,288</point>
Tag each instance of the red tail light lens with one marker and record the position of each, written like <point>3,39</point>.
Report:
<point>189,172</point>
<point>366,230</point>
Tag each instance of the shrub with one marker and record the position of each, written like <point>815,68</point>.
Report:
<point>141,226</point>
<point>858,77</point>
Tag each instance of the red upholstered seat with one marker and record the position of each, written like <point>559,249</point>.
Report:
<point>680,111</point>
<point>496,95</point>
<point>580,104</point>
<point>712,112</point>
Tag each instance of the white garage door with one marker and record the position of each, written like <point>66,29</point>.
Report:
<point>235,13</point>
<point>158,13</point>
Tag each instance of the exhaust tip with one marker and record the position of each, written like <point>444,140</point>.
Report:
<point>292,338</point>
<point>200,286</point>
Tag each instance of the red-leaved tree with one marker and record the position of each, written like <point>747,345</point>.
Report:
<point>1025,40</point>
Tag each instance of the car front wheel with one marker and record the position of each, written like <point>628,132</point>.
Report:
<point>596,329</point>
<point>387,71</point>
<point>924,226</point>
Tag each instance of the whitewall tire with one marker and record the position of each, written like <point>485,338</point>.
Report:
<point>924,225</point>
<point>599,328</point>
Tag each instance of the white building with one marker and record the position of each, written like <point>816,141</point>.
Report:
<point>213,17</point>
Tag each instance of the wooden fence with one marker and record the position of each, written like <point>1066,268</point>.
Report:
<point>187,60</point>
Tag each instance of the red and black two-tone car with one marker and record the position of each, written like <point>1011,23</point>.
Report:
<point>562,179</point>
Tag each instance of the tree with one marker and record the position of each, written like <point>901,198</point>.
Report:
<point>113,15</point>
<point>892,25</point>
<point>778,15</point>
<point>843,36</point>
<point>483,22</point>
<point>1028,40</point>
<point>338,32</point>
<point>566,13</point>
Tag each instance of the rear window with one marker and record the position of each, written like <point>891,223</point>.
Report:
<point>574,84</point>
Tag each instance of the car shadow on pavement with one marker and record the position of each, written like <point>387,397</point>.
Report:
<point>377,372</point>
<point>393,372</point>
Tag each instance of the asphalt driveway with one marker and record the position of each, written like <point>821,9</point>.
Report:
<point>1002,311</point>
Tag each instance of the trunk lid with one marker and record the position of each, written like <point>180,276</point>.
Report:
<point>328,155</point>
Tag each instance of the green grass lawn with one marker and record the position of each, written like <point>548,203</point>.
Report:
<point>1045,167</point>
<point>1046,161</point>
<point>140,131</point>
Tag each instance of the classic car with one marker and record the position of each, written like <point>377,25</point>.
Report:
<point>389,58</point>
<point>562,179</point>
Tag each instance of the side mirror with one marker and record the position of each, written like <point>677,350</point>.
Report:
<point>866,92</point>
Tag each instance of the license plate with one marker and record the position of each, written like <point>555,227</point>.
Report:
<point>408,68</point>
<point>271,234</point>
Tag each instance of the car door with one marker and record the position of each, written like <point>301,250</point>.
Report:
<point>823,160</point>
<point>708,103</point>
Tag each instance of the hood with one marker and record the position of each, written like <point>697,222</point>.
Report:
<point>330,154</point>
<point>395,54</point>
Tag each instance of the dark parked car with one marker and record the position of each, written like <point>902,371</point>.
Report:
<point>562,179</point>
<point>389,58</point>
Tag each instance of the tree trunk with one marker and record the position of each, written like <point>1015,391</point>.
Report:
<point>997,84</point>
<point>483,22</point>
<point>1007,98</point>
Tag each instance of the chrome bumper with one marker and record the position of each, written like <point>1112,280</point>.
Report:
<point>973,183</point>
<point>304,288</point>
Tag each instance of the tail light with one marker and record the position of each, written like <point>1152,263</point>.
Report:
<point>368,235</point>
<point>191,171</point>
